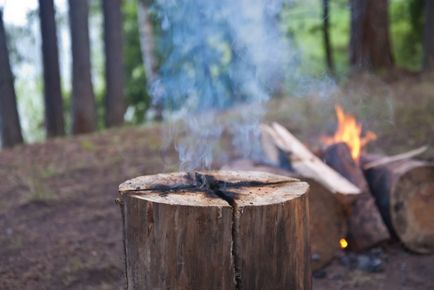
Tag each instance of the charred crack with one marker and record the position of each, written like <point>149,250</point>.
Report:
<point>218,188</point>
<point>236,244</point>
<point>203,183</point>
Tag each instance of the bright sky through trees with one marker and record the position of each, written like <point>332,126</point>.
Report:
<point>15,11</point>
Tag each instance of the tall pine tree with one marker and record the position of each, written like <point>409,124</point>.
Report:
<point>10,128</point>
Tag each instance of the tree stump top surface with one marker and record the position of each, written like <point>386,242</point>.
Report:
<point>214,188</point>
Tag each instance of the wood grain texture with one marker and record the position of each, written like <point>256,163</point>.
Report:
<point>404,191</point>
<point>189,237</point>
<point>172,246</point>
<point>273,245</point>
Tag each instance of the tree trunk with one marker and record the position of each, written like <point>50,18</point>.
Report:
<point>54,120</point>
<point>428,42</point>
<point>366,226</point>
<point>216,230</point>
<point>148,55</point>
<point>326,36</point>
<point>115,106</point>
<point>370,47</point>
<point>84,117</point>
<point>404,191</point>
<point>9,120</point>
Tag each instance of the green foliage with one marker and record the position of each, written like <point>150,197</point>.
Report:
<point>135,79</point>
<point>302,22</point>
<point>87,144</point>
<point>36,185</point>
<point>406,25</point>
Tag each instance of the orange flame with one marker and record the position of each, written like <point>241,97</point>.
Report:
<point>349,132</point>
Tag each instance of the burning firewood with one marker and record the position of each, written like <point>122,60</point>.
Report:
<point>216,230</point>
<point>404,191</point>
<point>328,224</point>
<point>305,163</point>
<point>366,226</point>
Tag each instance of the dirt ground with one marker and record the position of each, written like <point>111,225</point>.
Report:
<point>60,227</point>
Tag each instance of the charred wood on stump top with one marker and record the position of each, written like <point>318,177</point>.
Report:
<point>216,230</point>
<point>404,191</point>
<point>366,226</point>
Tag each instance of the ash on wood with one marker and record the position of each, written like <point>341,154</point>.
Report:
<point>216,230</point>
<point>328,222</point>
<point>366,226</point>
<point>404,191</point>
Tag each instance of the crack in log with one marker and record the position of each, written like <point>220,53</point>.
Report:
<point>236,244</point>
<point>218,188</point>
<point>124,242</point>
<point>199,182</point>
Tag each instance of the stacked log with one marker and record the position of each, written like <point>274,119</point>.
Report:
<point>396,192</point>
<point>366,226</point>
<point>404,191</point>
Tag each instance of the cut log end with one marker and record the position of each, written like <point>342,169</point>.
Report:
<point>412,209</point>
<point>247,230</point>
<point>404,191</point>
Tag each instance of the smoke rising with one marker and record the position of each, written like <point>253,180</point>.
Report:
<point>218,55</point>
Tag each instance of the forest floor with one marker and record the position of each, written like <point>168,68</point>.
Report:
<point>61,229</point>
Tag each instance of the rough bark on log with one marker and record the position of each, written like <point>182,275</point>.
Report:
<point>366,226</point>
<point>404,191</point>
<point>328,223</point>
<point>216,230</point>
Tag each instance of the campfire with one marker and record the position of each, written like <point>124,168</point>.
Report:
<point>349,132</point>
<point>357,200</point>
<point>249,225</point>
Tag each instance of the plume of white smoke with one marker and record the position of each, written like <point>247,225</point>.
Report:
<point>218,55</point>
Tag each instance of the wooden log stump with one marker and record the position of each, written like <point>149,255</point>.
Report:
<point>328,222</point>
<point>365,224</point>
<point>216,230</point>
<point>404,191</point>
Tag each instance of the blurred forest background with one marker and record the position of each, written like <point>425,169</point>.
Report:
<point>78,66</point>
<point>69,67</point>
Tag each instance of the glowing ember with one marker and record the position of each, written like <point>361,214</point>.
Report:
<point>349,132</point>
<point>343,243</point>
